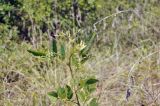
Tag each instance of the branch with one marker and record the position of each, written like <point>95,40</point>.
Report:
<point>114,14</point>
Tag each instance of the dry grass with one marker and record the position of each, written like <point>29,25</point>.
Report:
<point>25,80</point>
<point>126,63</point>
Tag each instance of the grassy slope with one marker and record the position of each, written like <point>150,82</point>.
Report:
<point>119,64</point>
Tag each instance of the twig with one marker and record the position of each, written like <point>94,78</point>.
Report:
<point>94,25</point>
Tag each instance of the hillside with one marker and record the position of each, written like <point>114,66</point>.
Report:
<point>79,53</point>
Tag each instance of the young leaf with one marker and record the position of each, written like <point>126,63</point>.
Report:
<point>53,94</point>
<point>63,51</point>
<point>82,95</point>
<point>54,47</point>
<point>84,59</point>
<point>61,92</point>
<point>85,51</point>
<point>91,81</point>
<point>69,92</point>
<point>93,102</point>
<point>36,53</point>
<point>91,88</point>
<point>81,83</point>
<point>75,61</point>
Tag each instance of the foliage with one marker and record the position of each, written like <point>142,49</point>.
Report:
<point>80,52</point>
<point>67,93</point>
<point>33,17</point>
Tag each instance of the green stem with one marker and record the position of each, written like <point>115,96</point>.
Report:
<point>72,76</point>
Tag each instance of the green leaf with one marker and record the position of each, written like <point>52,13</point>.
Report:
<point>93,102</point>
<point>84,59</point>
<point>61,92</point>
<point>63,51</point>
<point>81,83</point>
<point>86,50</point>
<point>82,95</point>
<point>75,61</point>
<point>91,81</point>
<point>91,1</point>
<point>53,94</point>
<point>69,92</point>
<point>36,53</point>
<point>91,88</point>
<point>54,47</point>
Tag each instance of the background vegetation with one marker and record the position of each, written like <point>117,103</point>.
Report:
<point>116,42</point>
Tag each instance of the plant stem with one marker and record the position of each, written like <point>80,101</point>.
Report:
<point>72,76</point>
<point>70,67</point>
<point>78,103</point>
